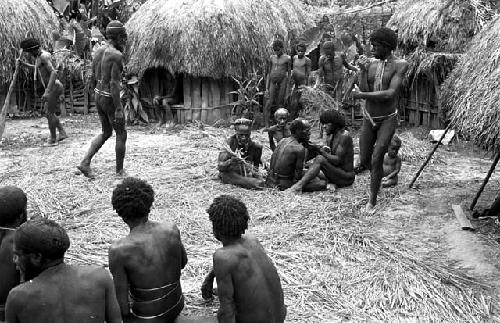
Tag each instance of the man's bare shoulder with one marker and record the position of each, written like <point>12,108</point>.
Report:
<point>401,64</point>
<point>226,259</point>
<point>45,56</point>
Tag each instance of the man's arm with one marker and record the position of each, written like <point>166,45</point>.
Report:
<point>184,258</point>
<point>45,60</point>
<point>272,145</point>
<point>269,67</point>
<point>288,74</point>
<point>397,168</point>
<point>337,157</point>
<point>120,280</point>
<point>347,65</point>
<point>321,71</point>
<point>112,309</point>
<point>300,155</point>
<point>308,69</point>
<point>391,92</point>
<point>12,306</point>
<point>224,161</point>
<point>116,81</point>
<point>223,266</point>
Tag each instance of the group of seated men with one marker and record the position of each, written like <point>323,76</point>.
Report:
<point>297,164</point>
<point>38,286</point>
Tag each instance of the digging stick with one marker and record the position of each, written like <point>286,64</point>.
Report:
<point>429,156</point>
<point>3,114</point>
<point>485,181</point>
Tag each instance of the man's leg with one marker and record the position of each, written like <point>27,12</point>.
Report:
<point>120,146</point>
<point>390,182</point>
<point>337,175</point>
<point>52,121</point>
<point>57,95</point>
<point>241,181</point>
<point>384,136</point>
<point>310,175</point>
<point>367,138</point>
<point>269,103</point>
<point>280,100</point>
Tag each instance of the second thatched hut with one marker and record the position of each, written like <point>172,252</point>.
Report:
<point>189,50</point>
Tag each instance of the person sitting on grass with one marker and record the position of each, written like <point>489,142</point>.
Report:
<point>146,264</point>
<point>249,287</point>
<point>281,129</point>
<point>13,213</point>
<point>392,163</point>
<point>54,291</point>
<point>287,161</point>
<point>336,160</point>
<point>240,165</point>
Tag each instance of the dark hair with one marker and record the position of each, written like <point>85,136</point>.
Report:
<point>332,116</point>
<point>386,37</point>
<point>12,204</point>
<point>396,141</point>
<point>301,45</point>
<point>297,125</point>
<point>133,198</point>
<point>278,44</point>
<point>42,236</point>
<point>30,44</point>
<point>229,216</point>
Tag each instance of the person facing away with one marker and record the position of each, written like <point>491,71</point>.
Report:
<point>146,264</point>
<point>13,213</point>
<point>248,284</point>
<point>53,291</point>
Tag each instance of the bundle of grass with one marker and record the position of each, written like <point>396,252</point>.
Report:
<point>315,100</point>
<point>20,19</point>
<point>471,93</point>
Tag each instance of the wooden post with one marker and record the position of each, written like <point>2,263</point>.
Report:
<point>188,113</point>
<point>485,181</point>
<point>205,96</point>
<point>196,98</point>
<point>215,90</point>
<point>3,113</point>
<point>228,87</point>
<point>71,99</point>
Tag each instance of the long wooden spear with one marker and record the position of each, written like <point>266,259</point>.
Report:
<point>485,181</point>
<point>6,104</point>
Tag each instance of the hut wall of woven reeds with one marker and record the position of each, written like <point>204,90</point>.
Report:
<point>20,19</point>
<point>432,35</point>
<point>202,44</point>
<point>471,94</point>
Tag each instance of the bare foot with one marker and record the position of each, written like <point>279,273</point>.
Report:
<point>62,137</point>
<point>297,189</point>
<point>86,171</point>
<point>369,209</point>
<point>121,173</point>
<point>51,143</point>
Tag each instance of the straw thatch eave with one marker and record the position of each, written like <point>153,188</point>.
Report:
<point>450,24</point>
<point>471,94</point>
<point>20,19</point>
<point>209,38</point>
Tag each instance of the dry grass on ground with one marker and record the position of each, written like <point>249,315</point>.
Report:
<point>331,264</point>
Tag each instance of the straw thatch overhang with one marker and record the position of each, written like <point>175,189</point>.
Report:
<point>471,94</point>
<point>20,19</point>
<point>447,25</point>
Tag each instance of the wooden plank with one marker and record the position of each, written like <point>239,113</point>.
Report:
<point>196,98</point>
<point>462,218</point>
<point>187,98</point>
<point>215,91</point>
<point>205,93</point>
<point>228,87</point>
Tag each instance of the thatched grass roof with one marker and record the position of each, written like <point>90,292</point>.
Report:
<point>471,94</point>
<point>20,19</point>
<point>209,38</point>
<point>449,23</point>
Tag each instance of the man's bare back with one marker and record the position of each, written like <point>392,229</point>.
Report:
<point>288,159</point>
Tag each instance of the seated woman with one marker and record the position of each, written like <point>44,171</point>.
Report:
<point>334,161</point>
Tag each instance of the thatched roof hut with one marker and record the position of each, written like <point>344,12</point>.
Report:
<point>19,19</point>
<point>472,91</point>
<point>206,41</point>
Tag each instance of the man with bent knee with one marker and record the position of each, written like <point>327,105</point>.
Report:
<point>380,81</point>
<point>107,68</point>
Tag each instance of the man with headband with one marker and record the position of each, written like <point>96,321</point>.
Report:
<point>53,87</point>
<point>240,165</point>
<point>379,84</point>
<point>107,68</point>
<point>54,291</point>
<point>12,214</point>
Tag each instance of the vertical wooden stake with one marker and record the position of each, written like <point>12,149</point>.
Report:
<point>215,90</point>
<point>196,98</point>
<point>188,113</point>
<point>205,96</point>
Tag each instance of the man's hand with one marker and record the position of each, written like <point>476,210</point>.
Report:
<point>363,63</point>
<point>325,150</point>
<point>119,116</point>
<point>45,96</point>
<point>356,92</point>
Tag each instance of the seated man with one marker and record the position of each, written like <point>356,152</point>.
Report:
<point>336,162</point>
<point>56,292</point>
<point>12,215</point>
<point>146,265</point>
<point>281,129</point>
<point>249,287</point>
<point>392,163</point>
<point>240,165</point>
<point>287,161</point>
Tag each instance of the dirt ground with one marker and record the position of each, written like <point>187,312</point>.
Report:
<point>419,219</point>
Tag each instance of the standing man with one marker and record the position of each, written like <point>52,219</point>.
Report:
<point>53,87</point>
<point>248,284</point>
<point>53,291</point>
<point>107,68</point>
<point>147,263</point>
<point>380,81</point>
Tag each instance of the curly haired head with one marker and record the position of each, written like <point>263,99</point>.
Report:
<point>133,198</point>
<point>278,44</point>
<point>396,141</point>
<point>332,116</point>
<point>229,216</point>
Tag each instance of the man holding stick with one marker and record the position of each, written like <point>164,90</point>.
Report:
<point>379,84</point>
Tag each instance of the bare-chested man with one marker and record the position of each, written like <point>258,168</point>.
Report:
<point>146,265</point>
<point>392,163</point>
<point>287,161</point>
<point>231,165</point>
<point>107,68</point>
<point>248,284</point>
<point>336,160</point>
<point>301,67</point>
<point>380,82</point>
<point>278,76</point>
<point>53,291</point>
<point>281,129</point>
<point>12,214</point>
<point>331,70</point>
<point>53,87</point>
